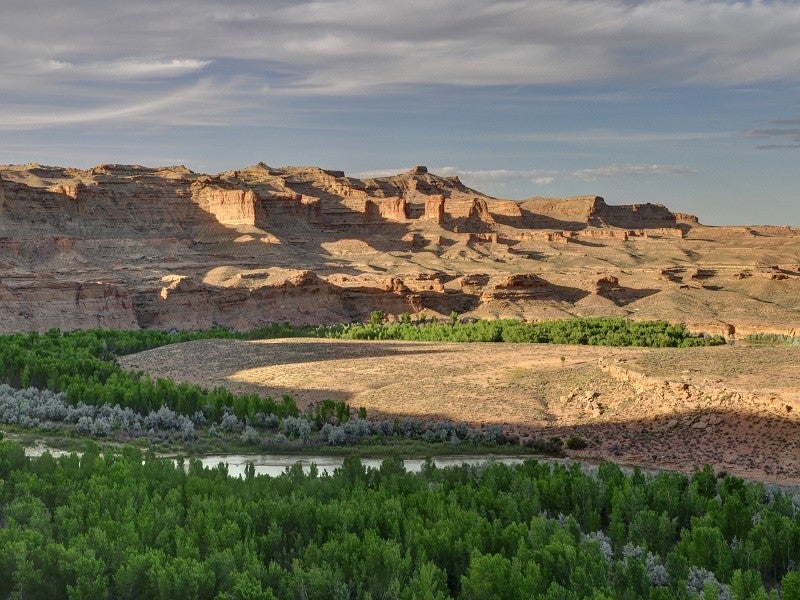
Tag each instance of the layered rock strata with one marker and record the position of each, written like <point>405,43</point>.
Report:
<point>129,246</point>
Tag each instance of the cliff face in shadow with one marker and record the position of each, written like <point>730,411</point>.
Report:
<point>129,246</point>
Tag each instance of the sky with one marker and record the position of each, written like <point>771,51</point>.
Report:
<point>694,104</point>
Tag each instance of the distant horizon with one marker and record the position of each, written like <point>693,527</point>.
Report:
<point>382,173</point>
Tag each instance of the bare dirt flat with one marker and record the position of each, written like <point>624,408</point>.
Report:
<point>735,407</point>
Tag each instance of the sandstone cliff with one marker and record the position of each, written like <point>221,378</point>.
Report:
<point>131,246</point>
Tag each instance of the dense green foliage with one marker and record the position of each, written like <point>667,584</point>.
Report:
<point>82,364</point>
<point>128,525</point>
<point>605,331</point>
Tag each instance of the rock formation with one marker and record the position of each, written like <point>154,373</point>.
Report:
<point>130,246</point>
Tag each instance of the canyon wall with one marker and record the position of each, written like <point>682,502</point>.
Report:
<point>130,246</point>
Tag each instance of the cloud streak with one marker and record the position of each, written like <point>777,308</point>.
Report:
<point>173,107</point>
<point>632,170</point>
<point>544,177</point>
<point>603,136</point>
<point>93,62</point>
<point>366,47</point>
<point>777,132</point>
<point>126,68</point>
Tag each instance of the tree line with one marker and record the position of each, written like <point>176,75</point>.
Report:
<point>323,425</point>
<point>83,365</point>
<point>594,331</point>
<point>128,524</point>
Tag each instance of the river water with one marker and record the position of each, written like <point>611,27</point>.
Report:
<point>273,465</point>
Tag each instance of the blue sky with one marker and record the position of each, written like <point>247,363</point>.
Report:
<point>691,103</point>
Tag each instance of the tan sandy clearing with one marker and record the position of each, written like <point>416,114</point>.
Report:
<point>737,408</point>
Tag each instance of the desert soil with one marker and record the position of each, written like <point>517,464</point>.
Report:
<point>734,407</point>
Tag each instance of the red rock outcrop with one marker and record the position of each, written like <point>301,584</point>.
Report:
<point>130,246</point>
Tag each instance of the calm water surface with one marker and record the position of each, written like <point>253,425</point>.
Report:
<point>273,465</point>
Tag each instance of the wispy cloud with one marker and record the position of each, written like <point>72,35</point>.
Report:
<point>762,133</point>
<point>459,42</point>
<point>498,174</point>
<point>376,173</point>
<point>174,107</point>
<point>604,136</point>
<point>476,177</point>
<point>632,170</point>
<point>124,68</point>
<point>366,47</point>
<point>778,147</point>
<point>777,132</point>
<point>138,68</point>
<point>543,177</point>
<point>236,16</point>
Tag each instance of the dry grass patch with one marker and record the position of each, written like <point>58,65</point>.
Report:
<point>737,408</point>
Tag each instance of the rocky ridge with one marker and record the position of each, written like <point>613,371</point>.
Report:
<point>129,246</point>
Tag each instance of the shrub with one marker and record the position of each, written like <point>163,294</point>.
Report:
<point>250,436</point>
<point>334,434</point>
<point>187,431</point>
<point>493,433</point>
<point>357,428</point>
<point>84,425</point>
<point>296,427</point>
<point>101,427</point>
<point>229,421</point>
<point>410,427</point>
<point>267,421</point>
<point>576,443</point>
<point>385,427</point>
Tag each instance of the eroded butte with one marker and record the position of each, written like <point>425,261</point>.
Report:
<point>130,246</point>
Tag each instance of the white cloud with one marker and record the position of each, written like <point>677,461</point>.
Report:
<point>603,136</point>
<point>175,107</point>
<point>366,47</point>
<point>124,68</point>
<point>51,66</point>
<point>777,132</point>
<point>376,173</point>
<point>542,177</point>
<point>131,67</point>
<point>363,43</point>
<point>234,16</point>
<point>480,178</point>
<point>631,170</point>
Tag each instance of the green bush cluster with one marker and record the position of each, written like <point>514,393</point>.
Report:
<point>576,442</point>
<point>83,365</point>
<point>131,525</point>
<point>601,331</point>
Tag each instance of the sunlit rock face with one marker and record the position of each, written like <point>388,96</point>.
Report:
<point>129,246</point>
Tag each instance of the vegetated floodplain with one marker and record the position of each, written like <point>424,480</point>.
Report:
<point>71,381</point>
<point>130,525</point>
